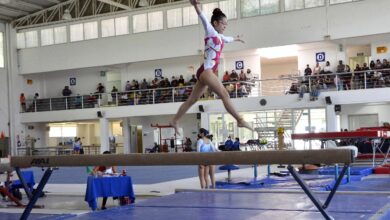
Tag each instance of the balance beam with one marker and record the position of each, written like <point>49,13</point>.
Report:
<point>324,156</point>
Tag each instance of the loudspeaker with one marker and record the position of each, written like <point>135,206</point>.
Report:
<point>99,114</point>
<point>328,100</point>
<point>337,108</point>
<point>198,116</point>
<point>263,102</point>
<point>201,109</point>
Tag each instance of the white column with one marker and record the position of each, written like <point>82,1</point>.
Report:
<point>204,121</point>
<point>331,119</point>
<point>126,135</point>
<point>104,132</point>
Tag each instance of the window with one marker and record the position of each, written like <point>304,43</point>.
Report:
<point>20,40</point>
<point>155,21</point>
<point>174,18</point>
<point>339,1</point>
<point>90,30</point>
<point>293,5</point>
<point>1,50</point>
<point>108,28</point>
<point>122,25</point>
<point>63,131</point>
<point>140,23</point>
<point>250,8</point>
<point>47,37</point>
<point>189,16</point>
<point>314,3</point>
<point>269,6</point>
<point>229,8</point>
<point>76,32</point>
<point>60,35</point>
<point>208,9</point>
<point>31,39</point>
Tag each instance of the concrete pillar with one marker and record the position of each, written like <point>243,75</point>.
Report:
<point>331,119</point>
<point>104,132</point>
<point>204,121</point>
<point>126,135</point>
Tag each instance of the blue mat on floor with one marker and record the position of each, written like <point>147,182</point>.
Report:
<point>315,182</point>
<point>359,171</point>
<point>371,184</point>
<point>33,216</point>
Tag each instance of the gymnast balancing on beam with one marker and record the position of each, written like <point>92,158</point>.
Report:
<point>207,72</point>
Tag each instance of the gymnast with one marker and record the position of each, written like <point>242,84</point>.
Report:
<point>207,72</point>
<point>204,145</point>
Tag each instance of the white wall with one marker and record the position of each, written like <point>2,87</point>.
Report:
<point>381,109</point>
<point>300,26</point>
<point>250,62</point>
<point>4,117</point>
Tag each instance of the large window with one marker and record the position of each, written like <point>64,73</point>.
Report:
<point>269,6</point>
<point>108,27</point>
<point>340,1</point>
<point>47,37</point>
<point>208,9</point>
<point>189,16</point>
<point>155,21</point>
<point>76,32</point>
<point>122,26</point>
<point>90,30</point>
<point>31,39</point>
<point>60,35</point>
<point>20,40</point>
<point>290,5</point>
<point>314,3</point>
<point>140,23</point>
<point>229,8</point>
<point>63,131</point>
<point>1,50</point>
<point>174,18</point>
<point>250,8</point>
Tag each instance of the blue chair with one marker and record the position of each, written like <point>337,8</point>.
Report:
<point>229,168</point>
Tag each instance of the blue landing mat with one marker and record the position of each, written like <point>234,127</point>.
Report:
<point>371,184</point>
<point>360,171</point>
<point>245,205</point>
<point>315,182</point>
<point>33,216</point>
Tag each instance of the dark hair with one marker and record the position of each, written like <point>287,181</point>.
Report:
<point>106,152</point>
<point>203,131</point>
<point>217,15</point>
<point>210,136</point>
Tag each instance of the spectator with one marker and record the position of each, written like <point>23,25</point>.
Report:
<point>193,79</point>
<point>327,68</point>
<point>236,144</point>
<point>114,93</point>
<point>372,65</point>
<point>66,91</point>
<point>174,82</point>
<point>226,77</point>
<point>378,64</point>
<point>242,76</point>
<point>340,67</point>
<point>249,75</point>
<point>316,69</point>
<point>308,71</point>
<point>234,76</point>
<point>22,100</point>
<point>100,88</point>
<point>144,84</point>
<point>36,96</point>
<point>77,146</point>
<point>127,86</point>
<point>228,144</point>
<point>181,80</point>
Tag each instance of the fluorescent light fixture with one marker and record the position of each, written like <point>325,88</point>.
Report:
<point>278,52</point>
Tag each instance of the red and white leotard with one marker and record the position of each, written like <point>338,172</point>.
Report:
<point>214,43</point>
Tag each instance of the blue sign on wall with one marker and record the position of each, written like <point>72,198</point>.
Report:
<point>239,65</point>
<point>72,81</point>
<point>158,73</point>
<point>320,57</point>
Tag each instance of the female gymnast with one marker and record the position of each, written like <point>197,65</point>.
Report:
<point>207,72</point>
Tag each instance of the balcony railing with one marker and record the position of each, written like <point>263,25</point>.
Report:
<point>237,89</point>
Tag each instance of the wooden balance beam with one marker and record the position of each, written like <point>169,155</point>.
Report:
<point>323,156</point>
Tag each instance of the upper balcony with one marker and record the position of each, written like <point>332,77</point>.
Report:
<point>292,92</point>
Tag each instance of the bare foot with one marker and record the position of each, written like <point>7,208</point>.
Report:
<point>175,126</point>
<point>244,124</point>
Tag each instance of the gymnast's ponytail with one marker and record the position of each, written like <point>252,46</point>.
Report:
<point>217,15</point>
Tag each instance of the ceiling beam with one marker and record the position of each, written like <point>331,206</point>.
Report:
<point>116,4</point>
<point>9,10</point>
<point>54,1</point>
<point>26,4</point>
<point>5,18</point>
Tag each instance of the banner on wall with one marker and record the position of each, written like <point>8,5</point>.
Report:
<point>320,57</point>
<point>72,81</point>
<point>158,73</point>
<point>381,50</point>
<point>239,65</point>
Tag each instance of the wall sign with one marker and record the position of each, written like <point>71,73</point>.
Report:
<point>320,57</point>
<point>72,81</point>
<point>158,73</point>
<point>239,65</point>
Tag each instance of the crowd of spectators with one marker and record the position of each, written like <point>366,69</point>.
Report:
<point>374,75</point>
<point>238,85</point>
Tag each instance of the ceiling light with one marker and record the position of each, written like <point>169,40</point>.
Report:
<point>278,52</point>
<point>66,15</point>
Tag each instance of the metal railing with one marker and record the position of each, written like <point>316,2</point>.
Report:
<point>237,89</point>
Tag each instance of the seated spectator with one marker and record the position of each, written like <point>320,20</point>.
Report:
<point>144,84</point>
<point>308,71</point>
<point>293,89</point>
<point>22,100</point>
<point>372,65</point>
<point>91,100</point>
<point>236,145</point>
<point>174,82</point>
<point>249,75</point>
<point>181,80</point>
<point>66,91</point>
<point>100,88</point>
<point>228,144</point>
<point>193,79</point>
<point>378,64</point>
<point>327,68</point>
<point>226,77</point>
<point>242,76</point>
<point>340,67</point>
<point>316,70</point>
<point>128,86</point>
<point>234,76</point>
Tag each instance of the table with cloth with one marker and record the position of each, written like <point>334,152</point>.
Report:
<point>111,186</point>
